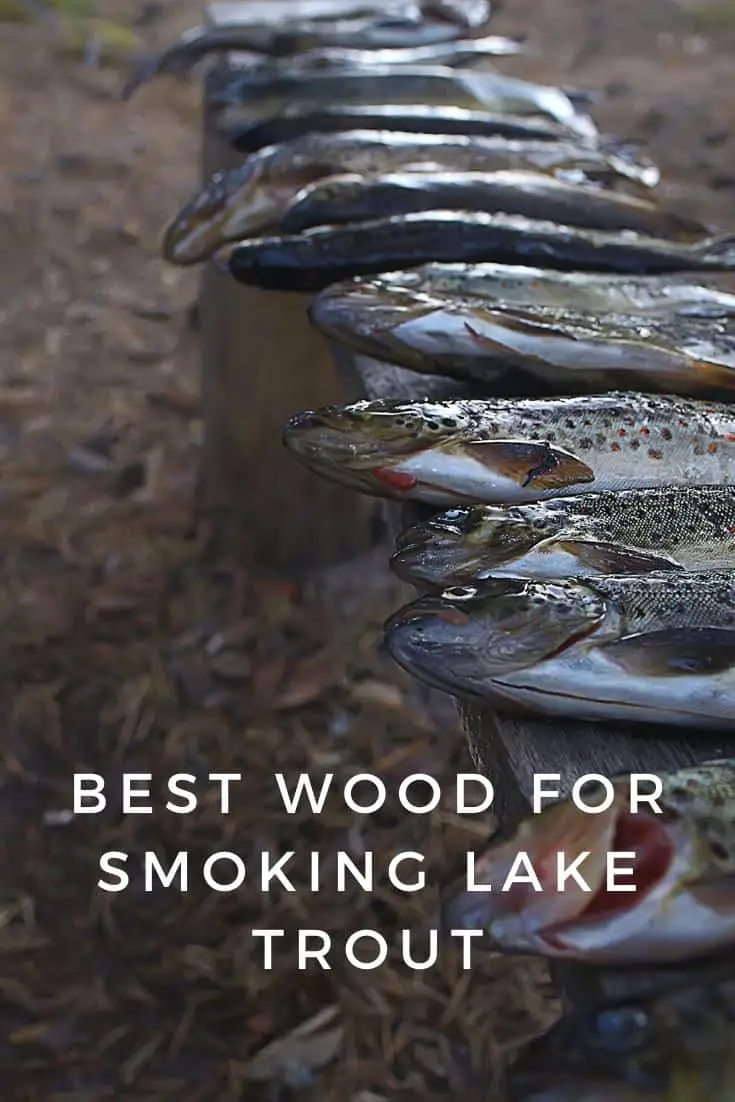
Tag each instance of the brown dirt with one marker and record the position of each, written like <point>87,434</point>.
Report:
<point>121,651</point>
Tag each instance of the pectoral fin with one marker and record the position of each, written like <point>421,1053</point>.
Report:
<point>717,891</point>
<point>677,653</point>
<point>538,464</point>
<point>613,558</point>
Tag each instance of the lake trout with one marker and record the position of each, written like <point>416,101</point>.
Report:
<point>409,119</point>
<point>358,198</point>
<point>442,329</point>
<point>434,85</point>
<point>683,871</point>
<point>625,531</point>
<point>678,1046</point>
<point>508,450</point>
<point>654,648</point>
<point>239,202</point>
<point>312,260</point>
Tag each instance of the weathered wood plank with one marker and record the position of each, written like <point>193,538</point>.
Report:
<point>261,363</point>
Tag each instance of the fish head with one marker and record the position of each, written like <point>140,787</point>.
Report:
<point>469,634</point>
<point>608,1054</point>
<point>360,444</point>
<point>458,545</point>
<point>237,203</point>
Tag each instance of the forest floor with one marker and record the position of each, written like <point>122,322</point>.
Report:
<point>121,652</point>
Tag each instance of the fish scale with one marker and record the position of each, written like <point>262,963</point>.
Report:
<point>660,601</point>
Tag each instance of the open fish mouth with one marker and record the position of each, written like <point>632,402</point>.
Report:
<point>526,920</point>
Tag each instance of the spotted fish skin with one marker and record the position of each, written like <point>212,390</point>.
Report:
<point>666,1048</point>
<point>654,648</point>
<point>511,451</point>
<point>634,531</point>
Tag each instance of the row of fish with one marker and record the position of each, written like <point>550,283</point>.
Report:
<point>466,224</point>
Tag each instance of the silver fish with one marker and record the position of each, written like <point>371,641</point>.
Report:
<point>252,197</point>
<point>625,531</point>
<point>674,1047</point>
<point>434,85</point>
<point>312,260</point>
<point>195,46</point>
<point>682,902</point>
<point>409,119</point>
<point>507,450</point>
<point>354,198</point>
<point>430,317</point>
<point>516,284</point>
<point>653,648</point>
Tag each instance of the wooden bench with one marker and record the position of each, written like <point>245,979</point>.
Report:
<point>263,363</point>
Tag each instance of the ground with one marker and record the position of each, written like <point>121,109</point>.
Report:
<point>121,651</point>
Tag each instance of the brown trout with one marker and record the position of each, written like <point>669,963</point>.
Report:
<point>683,868</point>
<point>654,648</point>
<point>312,260</point>
<point>597,323</point>
<point>252,197</point>
<point>625,531</point>
<point>675,1047</point>
<point>508,450</point>
<point>354,198</point>
<point>409,119</point>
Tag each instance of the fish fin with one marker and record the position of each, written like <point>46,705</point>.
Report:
<point>674,653</point>
<point>716,891</point>
<point>538,464</point>
<point>612,558</point>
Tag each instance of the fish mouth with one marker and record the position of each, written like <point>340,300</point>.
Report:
<point>432,551</point>
<point>545,922</point>
<point>338,434</point>
<point>231,207</point>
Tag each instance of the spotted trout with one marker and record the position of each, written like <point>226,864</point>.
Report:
<point>678,1046</point>
<point>247,137</point>
<point>683,870</point>
<point>508,450</point>
<point>312,260</point>
<point>625,531</point>
<point>354,198</point>
<point>241,201</point>
<point>654,648</point>
<point>568,329</point>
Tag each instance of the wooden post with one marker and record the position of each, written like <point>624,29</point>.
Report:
<point>262,362</point>
<point>509,750</point>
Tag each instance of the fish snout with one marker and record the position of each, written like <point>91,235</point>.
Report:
<point>429,552</point>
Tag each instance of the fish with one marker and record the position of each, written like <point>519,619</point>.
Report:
<point>677,1046</point>
<point>586,351</point>
<point>419,318</point>
<point>433,85</point>
<point>359,198</point>
<point>195,45</point>
<point>656,648</point>
<point>312,260</point>
<point>247,137</point>
<point>517,284</point>
<point>682,861</point>
<point>515,450</point>
<point>252,197</point>
<point>624,531</point>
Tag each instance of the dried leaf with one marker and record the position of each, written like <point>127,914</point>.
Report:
<point>307,1048</point>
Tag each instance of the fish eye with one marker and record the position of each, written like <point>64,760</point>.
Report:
<point>621,1028</point>
<point>460,593</point>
